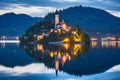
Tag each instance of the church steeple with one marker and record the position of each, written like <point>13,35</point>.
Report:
<point>56,12</point>
<point>56,18</point>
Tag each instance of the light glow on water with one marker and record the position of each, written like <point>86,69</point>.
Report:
<point>9,41</point>
<point>4,42</point>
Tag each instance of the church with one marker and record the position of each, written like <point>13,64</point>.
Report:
<point>60,25</point>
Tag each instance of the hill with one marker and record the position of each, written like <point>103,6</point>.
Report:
<point>89,19</point>
<point>12,24</point>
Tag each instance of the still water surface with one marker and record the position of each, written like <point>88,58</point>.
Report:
<point>98,61</point>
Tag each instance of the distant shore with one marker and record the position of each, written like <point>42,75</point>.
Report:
<point>9,41</point>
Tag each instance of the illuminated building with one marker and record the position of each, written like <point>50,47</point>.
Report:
<point>39,37</point>
<point>93,39</point>
<point>118,39</point>
<point>62,24</point>
<point>39,47</point>
<point>109,39</point>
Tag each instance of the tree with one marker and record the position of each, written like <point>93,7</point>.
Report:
<point>84,37</point>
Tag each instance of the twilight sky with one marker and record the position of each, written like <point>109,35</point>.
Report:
<point>40,8</point>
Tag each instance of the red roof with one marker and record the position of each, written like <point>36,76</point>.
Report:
<point>61,23</point>
<point>47,32</point>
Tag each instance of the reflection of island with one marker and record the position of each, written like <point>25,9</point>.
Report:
<point>73,59</point>
<point>56,55</point>
<point>63,53</point>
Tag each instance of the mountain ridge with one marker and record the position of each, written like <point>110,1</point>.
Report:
<point>89,19</point>
<point>12,24</point>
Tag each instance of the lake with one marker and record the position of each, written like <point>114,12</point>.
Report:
<point>98,61</point>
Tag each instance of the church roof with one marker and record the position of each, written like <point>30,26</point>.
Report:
<point>61,23</point>
<point>56,12</point>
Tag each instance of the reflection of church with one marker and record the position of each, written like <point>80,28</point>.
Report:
<point>61,59</point>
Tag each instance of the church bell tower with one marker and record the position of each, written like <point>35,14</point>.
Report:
<point>56,18</point>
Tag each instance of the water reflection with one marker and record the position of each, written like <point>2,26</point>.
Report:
<point>62,53</point>
<point>94,44</point>
<point>56,55</point>
<point>3,44</point>
<point>118,44</point>
<point>76,59</point>
<point>105,44</point>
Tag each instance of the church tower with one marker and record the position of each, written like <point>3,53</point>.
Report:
<point>56,18</point>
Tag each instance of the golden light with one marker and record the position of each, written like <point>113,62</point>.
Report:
<point>108,44</point>
<point>66,45</point>
<point>59,31</point>
<point>39,37</point>
<point>59,54</point>
<point>39,47</point>
<point>74,32</point>
<point>76,48</point>
<point>77,40</point>
<point>66,40</point>
<point>51,54</point>
<point>94,44</point>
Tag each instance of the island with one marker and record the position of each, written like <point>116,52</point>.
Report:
<point>54,32</point>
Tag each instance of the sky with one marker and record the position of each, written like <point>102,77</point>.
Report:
<point>40,8</point>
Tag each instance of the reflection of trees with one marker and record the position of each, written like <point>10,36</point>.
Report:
<point>73,50</point>
<point>51,55</point>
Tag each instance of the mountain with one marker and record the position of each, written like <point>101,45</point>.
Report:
<point>89,19</point>
<point>12,24</point>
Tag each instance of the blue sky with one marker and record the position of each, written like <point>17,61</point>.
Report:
<point>42,7</point>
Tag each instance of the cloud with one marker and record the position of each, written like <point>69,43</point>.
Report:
<point>115,13</point>
<point>70,79</point>
<point>31,10</point>
<point>103,4</point>
<point>31,7</point>
<point>34,68</point>
<point>36,71</point>
<point>114,68</point>
<point>44,3</point>
<point>71,0</point>
<point>111,5</point>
